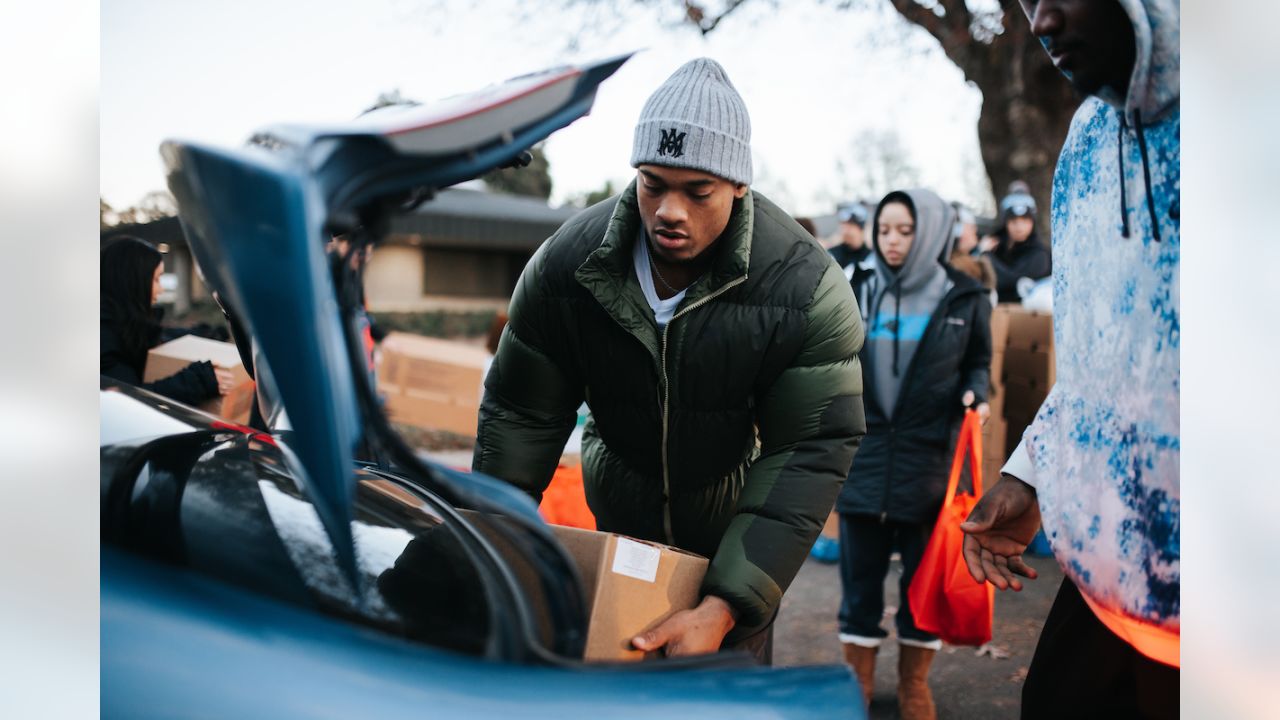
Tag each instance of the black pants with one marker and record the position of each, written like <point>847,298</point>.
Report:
<point>865,546</point>
<point>1081,669</point>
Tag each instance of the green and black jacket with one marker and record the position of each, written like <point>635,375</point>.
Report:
<point>728,435</point>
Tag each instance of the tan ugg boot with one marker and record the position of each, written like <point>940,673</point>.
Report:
<point>863,662</point>
<point>915,702</point>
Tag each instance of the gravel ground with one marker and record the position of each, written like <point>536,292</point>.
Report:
<point>965,685</point>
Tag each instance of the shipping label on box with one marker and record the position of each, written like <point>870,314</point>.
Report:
<point>631,586</point>
<point>170,358</point>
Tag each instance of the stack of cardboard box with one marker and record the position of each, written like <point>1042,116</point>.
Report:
<point>431,383</point>
<point>1022,371</point>
<point>993,433</point>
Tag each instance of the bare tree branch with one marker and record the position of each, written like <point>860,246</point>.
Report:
<point>951,31</point>
<point>698,16</point>
<point>958,17</point>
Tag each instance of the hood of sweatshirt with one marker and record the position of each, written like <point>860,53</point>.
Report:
<point>902,300</point>
<point>1153,92</point>
<point>1154,82</point>
<point>933,218</point>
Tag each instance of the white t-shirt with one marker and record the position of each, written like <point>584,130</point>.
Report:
<point>662,309</point>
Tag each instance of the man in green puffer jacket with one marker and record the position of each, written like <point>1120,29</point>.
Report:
<point>716,344</point>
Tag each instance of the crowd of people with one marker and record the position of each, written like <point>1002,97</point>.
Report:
<point>766,384</point>
<point>1008,262</point>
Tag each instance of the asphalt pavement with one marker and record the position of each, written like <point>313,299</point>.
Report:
<point>965,684</point>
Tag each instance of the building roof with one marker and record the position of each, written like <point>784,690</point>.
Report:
<point>165,230</point>
<point>464,218</point>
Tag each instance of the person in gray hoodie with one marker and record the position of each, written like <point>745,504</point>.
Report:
<point>926,357</point>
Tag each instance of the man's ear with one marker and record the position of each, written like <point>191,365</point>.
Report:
<point>739,190</point>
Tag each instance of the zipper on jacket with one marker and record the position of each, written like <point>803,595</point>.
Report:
<point>666,403</point>
<point>888,476</point>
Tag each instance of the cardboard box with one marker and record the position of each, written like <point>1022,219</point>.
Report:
<point>994,439</point>
<point>1034,365</point>
<point>1023,396</point>
<point>995,398</point>
<point>990,472</point>
<point>831,528</point>
<point>1017,424</point>
<point>1000,327</point>
<point>431,383</point>
<point>631,587</point>
<point>171,357</point>
<point>1028,330</point>
<point>997,367</point>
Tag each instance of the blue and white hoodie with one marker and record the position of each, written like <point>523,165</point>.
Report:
<point>1103,450</point>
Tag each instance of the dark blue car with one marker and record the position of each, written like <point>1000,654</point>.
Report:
<point>269,573</point>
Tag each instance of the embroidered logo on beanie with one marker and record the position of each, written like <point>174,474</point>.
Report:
<point>671,143</point>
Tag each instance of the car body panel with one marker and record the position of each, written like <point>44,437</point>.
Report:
<point>186,646</point>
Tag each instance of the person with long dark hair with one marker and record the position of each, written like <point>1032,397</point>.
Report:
<point>130,325</point>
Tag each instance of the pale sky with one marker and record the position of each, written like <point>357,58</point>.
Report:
<point>813,78</point>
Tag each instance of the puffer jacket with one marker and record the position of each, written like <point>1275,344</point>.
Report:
<point>900,473</point>
<point>728,434</point>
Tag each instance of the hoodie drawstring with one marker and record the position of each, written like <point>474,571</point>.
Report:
<point>1124,205</point>
<point>878,297</point>
<point>897,315</point>
<point>1146,176</point>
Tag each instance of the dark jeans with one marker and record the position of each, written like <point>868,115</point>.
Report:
<point>1082,669</point>
<point>865,546</point>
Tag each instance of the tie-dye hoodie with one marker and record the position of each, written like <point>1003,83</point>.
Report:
<point>1103,449</point>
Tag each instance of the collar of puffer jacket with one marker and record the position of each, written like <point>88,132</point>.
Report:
<point>608,269</point>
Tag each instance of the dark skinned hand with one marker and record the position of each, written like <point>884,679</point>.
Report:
<point>998,531</point>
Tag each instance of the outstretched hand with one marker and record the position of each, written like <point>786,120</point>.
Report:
<point>998,531</point>
<point>690,632</point>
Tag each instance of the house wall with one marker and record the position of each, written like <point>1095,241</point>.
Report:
<point>394,276</point>
<point>467,273</point>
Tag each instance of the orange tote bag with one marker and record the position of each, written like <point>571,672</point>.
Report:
<point>945,600</point>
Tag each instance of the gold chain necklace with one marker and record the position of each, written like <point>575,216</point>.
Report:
<point>658,273</point>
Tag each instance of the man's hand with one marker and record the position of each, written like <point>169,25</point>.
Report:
<point>997,532</point>
<point>691,632</point>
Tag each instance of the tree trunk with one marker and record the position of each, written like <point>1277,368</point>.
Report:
<point>1027,107</point>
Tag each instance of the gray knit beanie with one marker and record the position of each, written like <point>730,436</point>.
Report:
<point>696,120</point>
